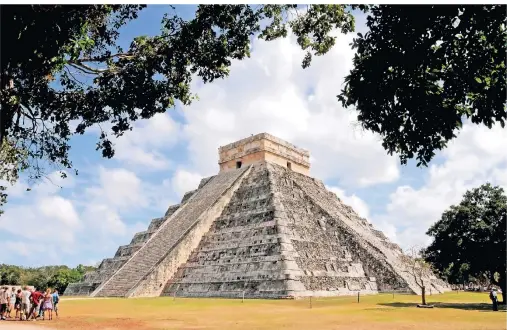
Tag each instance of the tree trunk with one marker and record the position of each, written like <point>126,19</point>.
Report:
<point>423,295</point>
<point>6,110</point>
<point>503,287</point>
<point>501,283</point>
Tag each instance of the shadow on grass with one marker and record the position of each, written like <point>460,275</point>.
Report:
<point>464,306</point>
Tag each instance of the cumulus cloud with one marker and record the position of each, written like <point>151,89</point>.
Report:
<point>87,218</point>
<point>145,147</point>
<point>144,144</point>
<point>359,206</point>
<point>118,187</point>
<point>184,181</point>
<point>270,92</point>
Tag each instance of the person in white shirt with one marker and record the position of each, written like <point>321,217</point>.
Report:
<point>12,300</point>
<point>25,302</point>
<point>494,299</point>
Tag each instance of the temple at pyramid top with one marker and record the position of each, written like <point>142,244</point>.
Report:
<point>264,147</point>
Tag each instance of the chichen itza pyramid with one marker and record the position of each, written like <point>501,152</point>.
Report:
<point>261,227</point>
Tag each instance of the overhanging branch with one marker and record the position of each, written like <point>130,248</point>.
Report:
<point>85,68</point>
<point>105,58</point>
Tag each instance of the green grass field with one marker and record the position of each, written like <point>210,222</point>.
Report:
<point>458,311</point>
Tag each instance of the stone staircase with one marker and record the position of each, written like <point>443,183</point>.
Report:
<point>167,237</point>
<point>108,266</point>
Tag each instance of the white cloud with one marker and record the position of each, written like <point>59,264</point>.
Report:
<point>118,187</point>
<point>184,181</point>
<point>142,147</point>
<point>53,183</point>
<point>37,221</point>
<point>18,248</point>
<point>60,209</point>
<point>359,206</point>
<point>270,92</point>
<point>139,146</point>
<point>475,157</point>
<point>17,190</point>
<point>90,220</point>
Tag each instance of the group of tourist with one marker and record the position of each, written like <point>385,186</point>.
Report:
<point>28,304</point>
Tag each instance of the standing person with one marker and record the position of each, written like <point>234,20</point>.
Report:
<point>12,300</point>
<point>41,310</point>
<point>25,303</point>
<point>3,303</point>
<point>35,296</point>
<point>56,300</point>
<point>8,308</point>
<point>494,298</point>
<point>47,305</point>
<point>17,304</point>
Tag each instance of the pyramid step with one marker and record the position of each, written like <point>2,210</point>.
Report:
<point>167,237</point>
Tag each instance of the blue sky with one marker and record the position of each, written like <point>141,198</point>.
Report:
<point>101,208</point>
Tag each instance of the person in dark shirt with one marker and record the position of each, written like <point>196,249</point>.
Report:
<point>17,304</point>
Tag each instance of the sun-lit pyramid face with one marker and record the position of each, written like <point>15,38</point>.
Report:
<point>264,148</point>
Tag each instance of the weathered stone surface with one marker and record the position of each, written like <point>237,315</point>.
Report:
<point>171,210</point>
<point>187,196</point>
<point>110,265</point>
<point>260,148</point>
<point>149,260</point>
<point>262,231</point>
<point>204,181</point>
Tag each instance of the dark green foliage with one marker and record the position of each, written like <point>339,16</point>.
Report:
<point>63,63</point>
<point>422,70</point>
<point>470,238</point>
<point>12,160</point>
<point>54,277</point>
<point>10,275</point>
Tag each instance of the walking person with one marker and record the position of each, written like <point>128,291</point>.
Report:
<point>494,299</point>
<point>41,309</point>
<point>35,297</point>
<point>47,305</point>
<point>56,300</point>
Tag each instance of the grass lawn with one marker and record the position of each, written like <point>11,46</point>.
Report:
<point>460,311</point>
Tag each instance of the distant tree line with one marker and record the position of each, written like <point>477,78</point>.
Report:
<point>55,277</point>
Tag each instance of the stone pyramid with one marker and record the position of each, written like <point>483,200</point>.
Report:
<point>262,228</point>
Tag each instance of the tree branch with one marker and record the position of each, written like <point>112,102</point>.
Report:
<point>104,58</point>
<point>85,68</point>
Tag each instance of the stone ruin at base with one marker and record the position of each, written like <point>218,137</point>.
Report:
<point>261,227</point>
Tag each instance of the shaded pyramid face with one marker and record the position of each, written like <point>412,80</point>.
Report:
<point>263,231</point>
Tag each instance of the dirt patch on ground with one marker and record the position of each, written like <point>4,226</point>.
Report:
<point>76,323</point>
<point>18,325</point>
